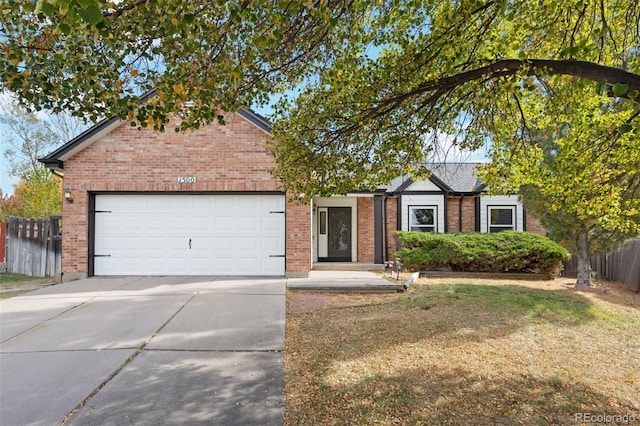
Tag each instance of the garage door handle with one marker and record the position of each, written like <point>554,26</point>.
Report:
<point>276,255</point>
<point>189,243</point>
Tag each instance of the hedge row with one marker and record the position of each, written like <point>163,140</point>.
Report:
<point>507,251</point>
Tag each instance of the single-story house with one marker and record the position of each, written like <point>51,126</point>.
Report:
<point>203,202</point>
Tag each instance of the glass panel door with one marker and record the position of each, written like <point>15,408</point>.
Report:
<point>339,234</point>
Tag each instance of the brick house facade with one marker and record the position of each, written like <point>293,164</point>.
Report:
<point>120,159</point>
<point>224,172</point>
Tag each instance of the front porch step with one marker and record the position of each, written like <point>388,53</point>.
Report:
<point>347,266</point>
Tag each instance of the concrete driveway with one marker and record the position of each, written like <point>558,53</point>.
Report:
<point>144,350</point>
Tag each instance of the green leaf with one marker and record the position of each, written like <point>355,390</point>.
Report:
<point>625,128</point>
<point>91,15</point>
<point>48,9</point>
<point>620,89</point>
<point>64,28</point>
<point>87,3</point>
<point>601,87</point>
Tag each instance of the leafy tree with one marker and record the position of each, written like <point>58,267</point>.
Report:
<point>583,237</point>
<point>450,71</point>
<point>27,138</point>
<point>65,125</point>
<point>374,76</point>
<point>376,81</point>
<point>37,195</point>
<point>580,175</point>
<point>96,57</point>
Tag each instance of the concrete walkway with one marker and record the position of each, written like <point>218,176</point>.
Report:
<point>345,281</point>
<point>144,351</point>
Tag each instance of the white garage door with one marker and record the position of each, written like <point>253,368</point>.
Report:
<point>149,234</point>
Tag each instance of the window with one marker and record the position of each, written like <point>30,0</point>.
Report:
<point>422,218</point>
<point>502,218</point>
<point>323,222</point>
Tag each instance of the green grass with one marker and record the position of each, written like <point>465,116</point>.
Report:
<point>8,280</point>
<point>12,285</point>
<point>541,304</point>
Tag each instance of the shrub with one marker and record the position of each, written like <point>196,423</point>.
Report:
<point>507,251</point>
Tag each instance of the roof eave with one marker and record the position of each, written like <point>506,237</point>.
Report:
<point>81,141</point>
<point>255,119</point>
<point>55,160</point>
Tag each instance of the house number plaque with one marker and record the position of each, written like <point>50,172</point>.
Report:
<point>186,179</point>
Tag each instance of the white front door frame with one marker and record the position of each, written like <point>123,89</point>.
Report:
<point>322,204</point>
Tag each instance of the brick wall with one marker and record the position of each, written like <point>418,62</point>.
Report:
<point>298,240</point>
<point>468,214</point>
<point>535,226</point>
<point>366,230</point>
<point>392,226</point>
<point>223,158</point>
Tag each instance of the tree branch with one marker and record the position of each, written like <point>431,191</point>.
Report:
<point>507,67</point>
<point>118,12</point>
<point>582,69</point>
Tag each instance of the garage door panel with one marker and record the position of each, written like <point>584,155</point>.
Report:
<point>272,244</point>
<point>225,225</point>
<point>107,222</point>
<point>155,223</point>
<point>133,204</point>
<point>157,244</point>
<point>203,223</point>
<point>108,242</point>
<point>273,222</point>
<point>156,265</point>
<point>202,203</point>
<point>249,244</point>
<point>149,234</point>
<point>271,266</point>
<point>248,224</point>
<point>273,203</point>
<point>156,203</point>
<point>223,244</point>
<point>248,204</point>
<point>202,265</point>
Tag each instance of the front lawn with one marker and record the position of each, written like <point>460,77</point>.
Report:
<point>463,352</point>
<point>12,285</point>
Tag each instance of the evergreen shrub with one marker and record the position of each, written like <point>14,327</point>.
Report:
<point>507,251</point>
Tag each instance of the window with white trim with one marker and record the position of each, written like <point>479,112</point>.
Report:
<point>422,218</point>
<point>502,218</point>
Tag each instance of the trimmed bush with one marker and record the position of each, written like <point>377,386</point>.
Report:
<point>507,251</point>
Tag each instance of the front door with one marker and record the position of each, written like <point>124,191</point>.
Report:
<point>338,234</point>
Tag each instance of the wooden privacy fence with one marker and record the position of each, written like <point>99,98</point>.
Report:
<point>622,265</point>
<point>34,246</point>
<point>3,240</point>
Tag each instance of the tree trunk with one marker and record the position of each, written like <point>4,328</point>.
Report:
<point>584,261</point>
